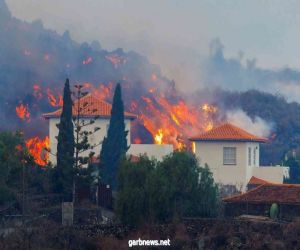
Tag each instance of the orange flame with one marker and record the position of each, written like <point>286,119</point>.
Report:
<point>168,118</point>
<point>39,149</point>
<point>159,137</point>
<point>209,108</point>
<point>22,112</point>
<point>54,101</point>
<point>172,122</point>
<point>87,61</point>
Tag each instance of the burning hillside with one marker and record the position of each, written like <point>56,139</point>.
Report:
<point>168,119</point>
<point>34,63</point>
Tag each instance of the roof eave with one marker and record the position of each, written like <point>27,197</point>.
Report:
<point>49,116</point>
<point>231,140</point>
<point>262,202</point>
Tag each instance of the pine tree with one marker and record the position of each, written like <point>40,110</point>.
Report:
<point>65,147</point>
<point>114,146</point>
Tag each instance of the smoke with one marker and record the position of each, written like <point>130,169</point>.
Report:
<point>242,74</point>
<point>256,126</point>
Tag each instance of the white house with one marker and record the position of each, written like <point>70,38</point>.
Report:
<point>100,111</point>
<point>232,155</point>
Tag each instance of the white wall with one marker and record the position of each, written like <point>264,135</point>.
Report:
<point>271,174</point>
<point>249,171</point>
<point>151,150</point>
<point>211,153</point>
<point>96,138</point>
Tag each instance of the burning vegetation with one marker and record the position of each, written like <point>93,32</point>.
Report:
<point>39,149</point>
<point>43,58</point>
<point>169,120</point>
<point>23,112</point>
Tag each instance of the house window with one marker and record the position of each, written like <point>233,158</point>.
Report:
<point>254,157</point>
<point>249,156</point>
<point>229,156</point>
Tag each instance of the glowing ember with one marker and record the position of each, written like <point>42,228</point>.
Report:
<point>152,90</point>
<point>37,91</point>
<point>47,57</point>
<point>103,92</point>
<point>22,112</point>
<point>39,149</point>
<point>19,148</point>
<point>154,77</point>
<point>87,61</point>
<point>54,101</point>
<point>137,141</point>
<point>116,60</point>
<point>209,108</point>
<point>26,52</point>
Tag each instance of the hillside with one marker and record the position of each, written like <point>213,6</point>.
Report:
<point>34,63</point>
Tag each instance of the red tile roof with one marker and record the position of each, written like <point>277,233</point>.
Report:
<point>268,194</point>
<point>90,106</point>
<point>227,132</point>
<point>257,181</point>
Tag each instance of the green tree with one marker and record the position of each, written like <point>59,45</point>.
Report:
<point>207,196</point>
<point>151,191</point>
<point>132,199</point>
<point>65,147</point>
<point>13,159</point>
<point>186,188</point>
<point>114,146</point>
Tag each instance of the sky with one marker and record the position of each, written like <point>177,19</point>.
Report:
<point>174,33</point>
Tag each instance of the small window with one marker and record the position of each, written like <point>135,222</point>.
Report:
<point>229,156</point>
<point>249,156</point>
<point>254,156</point>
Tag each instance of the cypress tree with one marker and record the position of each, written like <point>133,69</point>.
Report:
<point>65,147</point>
<point>114,145</point>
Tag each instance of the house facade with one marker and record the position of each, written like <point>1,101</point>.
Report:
<point>92,108</point>
<point>232,155</point>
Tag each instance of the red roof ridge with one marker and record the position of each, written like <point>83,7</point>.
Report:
<point>265,193</point>
<point>227,132</point>
<point>242,194</point>
<point>98,107</point>
<point>254,180</point>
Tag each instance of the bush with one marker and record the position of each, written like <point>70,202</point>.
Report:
<point>6,195</point>
<point>151,191</point>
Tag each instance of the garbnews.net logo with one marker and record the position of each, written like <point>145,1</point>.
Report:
<point>139,242</point>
